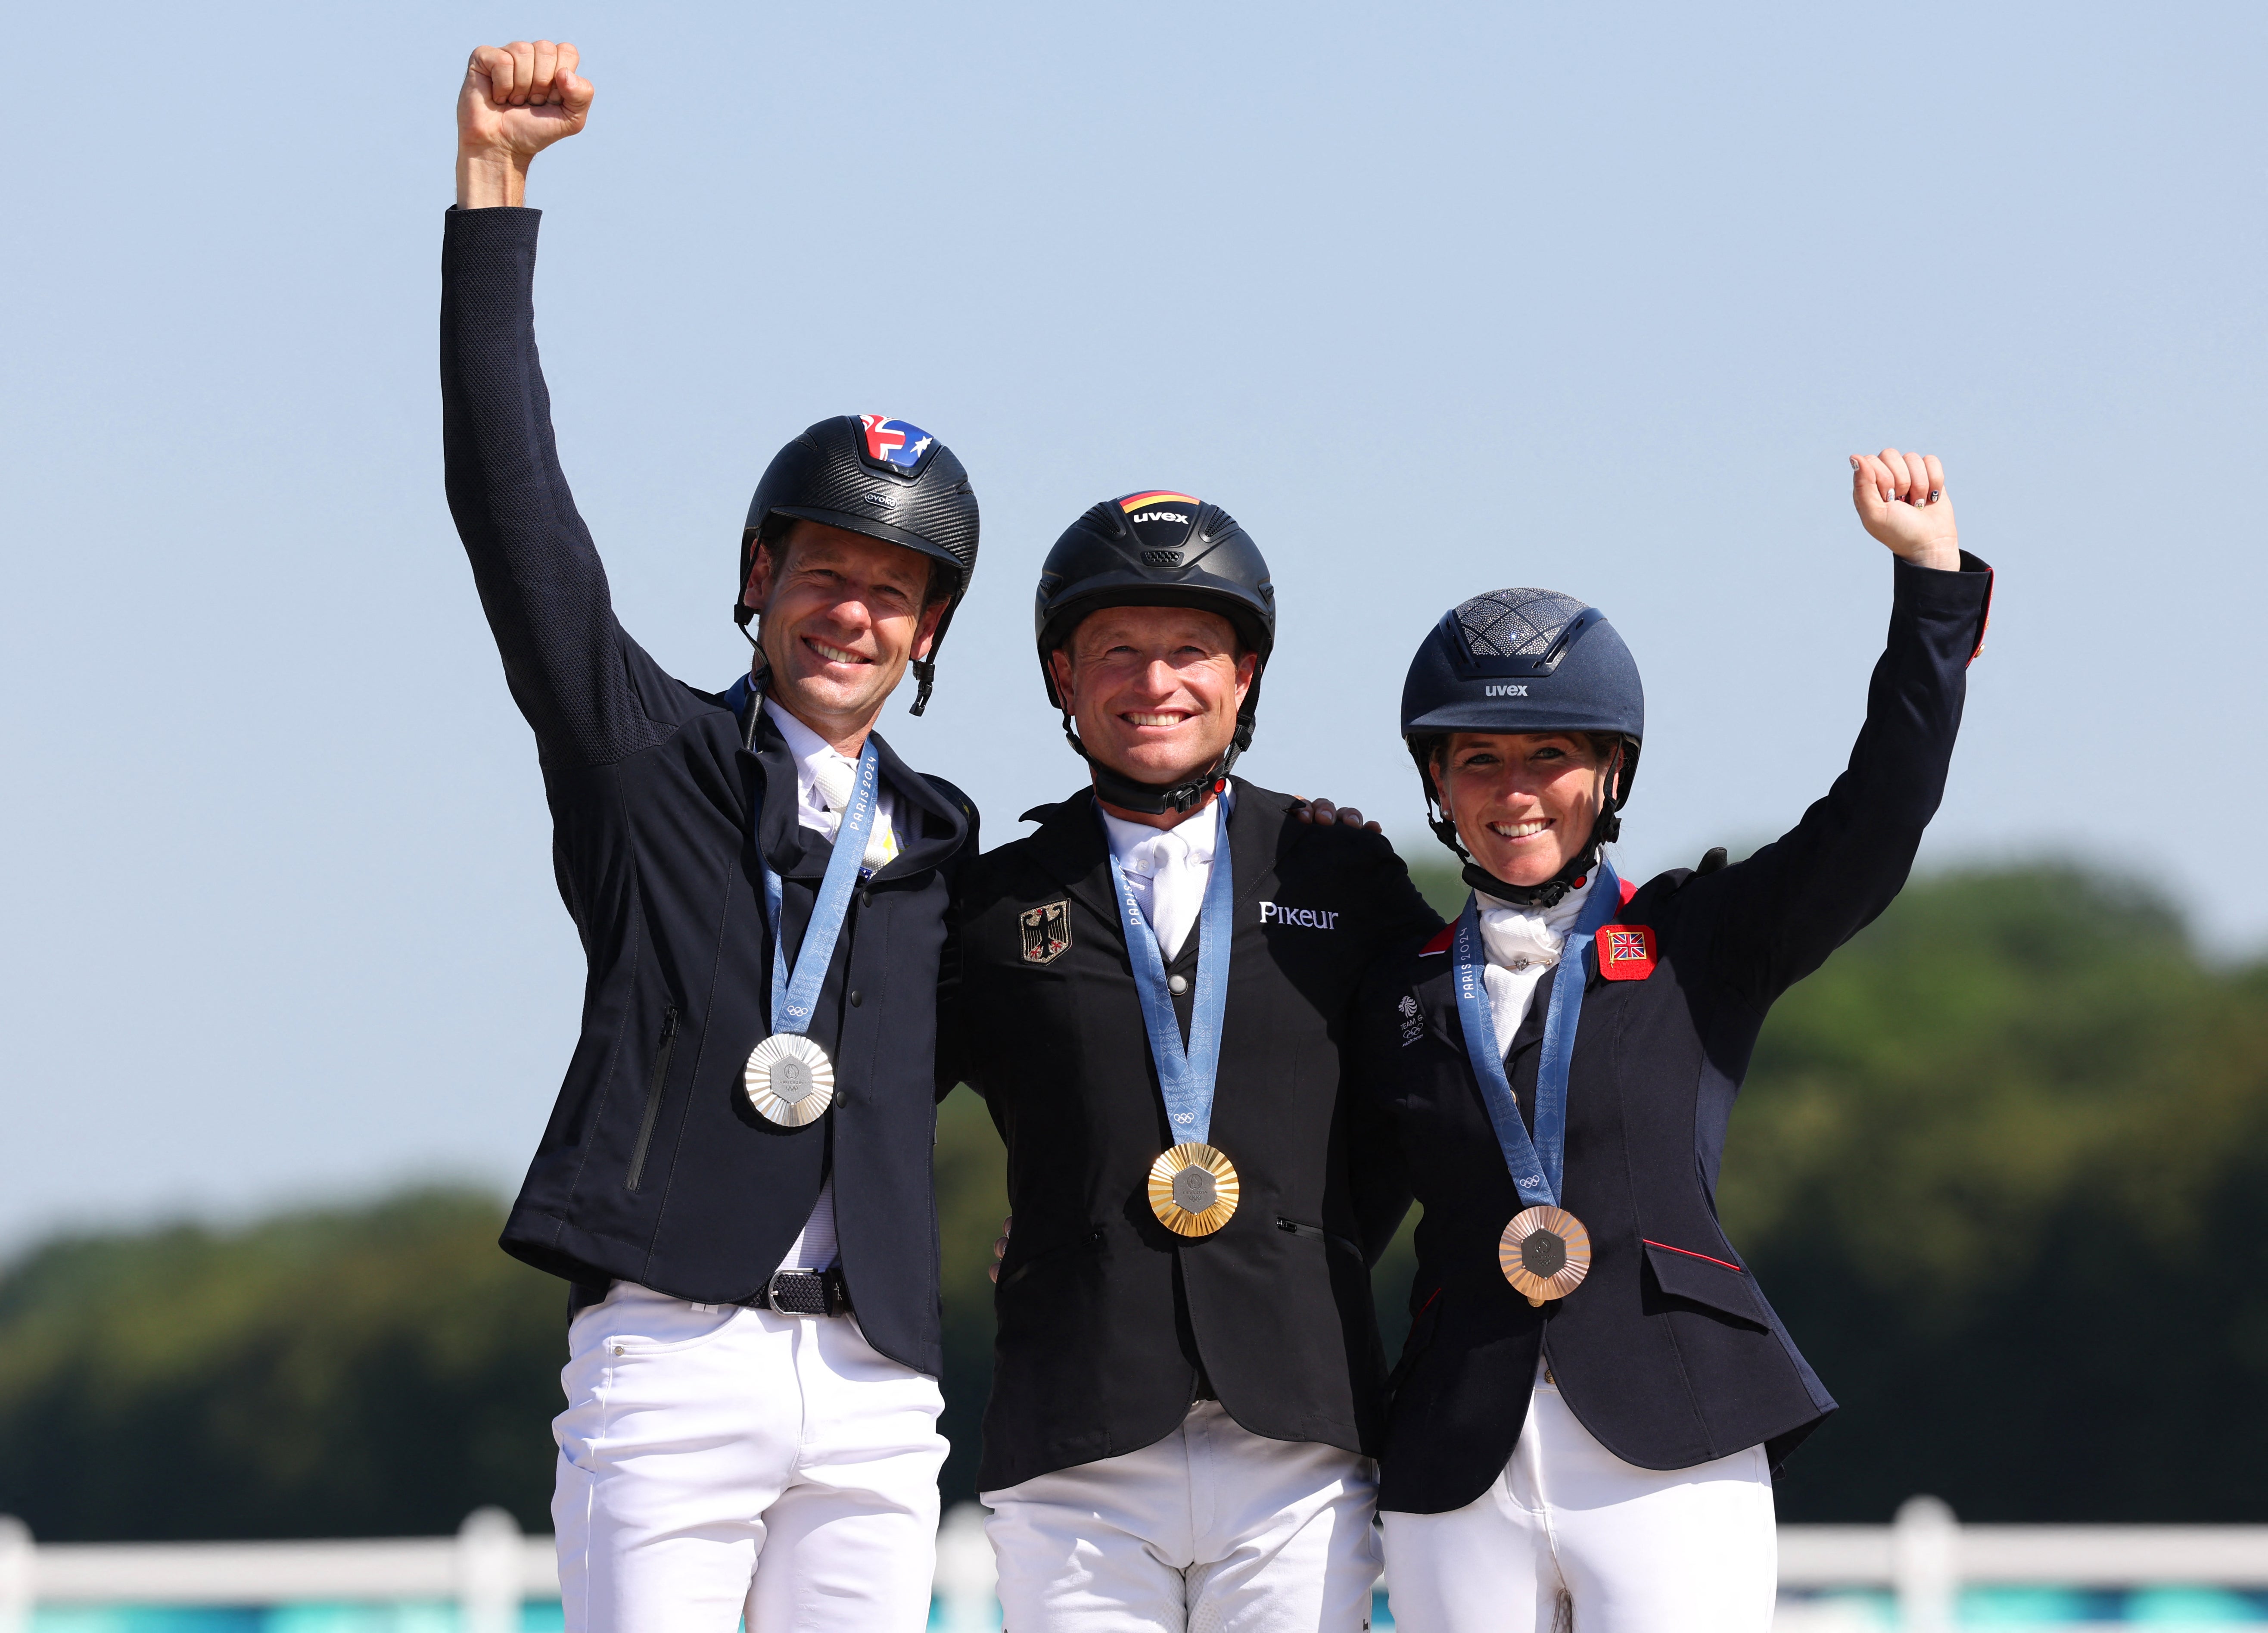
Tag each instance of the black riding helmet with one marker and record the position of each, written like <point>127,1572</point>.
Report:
<point>883,477</point>
<point>1157,548</point>
<point>1524,660</point>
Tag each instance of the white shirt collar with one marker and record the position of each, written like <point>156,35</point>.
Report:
<point>1510,932</point>
<point>1199,834</point>
<point>810,751</point>
<point>806,746</point>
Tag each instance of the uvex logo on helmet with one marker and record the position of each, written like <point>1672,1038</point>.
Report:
<point>1161,520</point>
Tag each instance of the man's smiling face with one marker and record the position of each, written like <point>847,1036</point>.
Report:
<point>843,615</point>
<point>1154,690</point>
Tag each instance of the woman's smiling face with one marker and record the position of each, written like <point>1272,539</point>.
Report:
<point>1524,803</point>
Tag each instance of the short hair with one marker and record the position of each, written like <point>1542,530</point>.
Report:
<point>944,576</point>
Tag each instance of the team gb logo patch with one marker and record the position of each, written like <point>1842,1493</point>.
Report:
<point>1626,952</point>
<point>1047,932</point>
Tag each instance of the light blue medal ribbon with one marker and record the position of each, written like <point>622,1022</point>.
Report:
<point>1193,1189</point>
<point>789,1078</point>
<point>1538,1165</point>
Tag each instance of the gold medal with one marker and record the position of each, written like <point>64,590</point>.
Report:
<point>1544,1251</point>
<point>1193,1189</point>
<point>788,1079</point>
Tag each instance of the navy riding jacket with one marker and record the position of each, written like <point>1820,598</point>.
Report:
<point>1668,1353</point>
<point>654,1168</point>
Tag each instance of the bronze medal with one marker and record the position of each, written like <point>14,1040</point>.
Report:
<point>1545,1252</point>
<point>789,1079</point>
<point>1193,1189</point>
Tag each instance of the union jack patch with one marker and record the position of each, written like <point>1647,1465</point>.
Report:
<point>1047,932</point>
<point>1626,952</point>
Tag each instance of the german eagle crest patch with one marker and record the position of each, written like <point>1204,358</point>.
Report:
<point>1047,932</point>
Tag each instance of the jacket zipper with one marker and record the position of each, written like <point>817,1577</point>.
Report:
<point>661,1074</point>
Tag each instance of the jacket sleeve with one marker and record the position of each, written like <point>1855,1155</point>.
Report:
<point>591,694</point>
<point>1785,909</point>
<point>1399,918</point>
<point>1379,1175</point>
<point>954,1058</point>
<point>1398,909</point>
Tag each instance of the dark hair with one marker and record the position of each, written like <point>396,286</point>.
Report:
<point>944,577</point>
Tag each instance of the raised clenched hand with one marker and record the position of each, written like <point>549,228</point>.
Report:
<point>517,100</point>
<point>1901,498</point>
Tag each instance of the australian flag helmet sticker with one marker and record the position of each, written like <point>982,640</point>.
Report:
<point>893,444</point>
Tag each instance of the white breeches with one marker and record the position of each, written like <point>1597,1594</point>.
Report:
<point>1211,1530</point>
<point>717,1462</point>
<point>1570,1535</point>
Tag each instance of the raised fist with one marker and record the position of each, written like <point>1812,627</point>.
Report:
<point>517,100</point>
<point>1901,498</point>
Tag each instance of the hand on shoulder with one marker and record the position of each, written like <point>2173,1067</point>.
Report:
<point>1324,814</point>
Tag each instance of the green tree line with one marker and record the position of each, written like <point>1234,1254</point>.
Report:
<point>2002,1165</point>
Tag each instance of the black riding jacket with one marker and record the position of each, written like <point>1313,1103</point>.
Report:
<point>1668,1353</point>
<point>654,1168</point>
<point>1108,1322</point>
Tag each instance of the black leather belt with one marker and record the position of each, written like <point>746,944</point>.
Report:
<point>804,1293</point>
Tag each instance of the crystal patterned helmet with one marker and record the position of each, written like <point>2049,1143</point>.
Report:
<point>1524,660</point>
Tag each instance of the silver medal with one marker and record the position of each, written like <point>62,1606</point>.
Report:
<point>789,1080</point>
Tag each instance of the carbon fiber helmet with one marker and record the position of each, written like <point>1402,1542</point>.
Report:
<point>883,477</point>
<point>1524,660</point>
<point>1157,548</point>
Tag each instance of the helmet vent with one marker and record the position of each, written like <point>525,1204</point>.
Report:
<point>1517,623</point>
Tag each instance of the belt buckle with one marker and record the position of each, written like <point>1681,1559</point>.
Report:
<point>817,1281</point>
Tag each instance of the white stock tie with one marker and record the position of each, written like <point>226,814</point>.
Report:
<point>835,778</point>
<point>1176,888</point>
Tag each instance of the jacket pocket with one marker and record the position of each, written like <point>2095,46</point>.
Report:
<point>1318,1234</point>
<point>655,1081</point>
<point>1706,1279</point>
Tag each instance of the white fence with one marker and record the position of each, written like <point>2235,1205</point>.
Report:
<point>489,1568</point>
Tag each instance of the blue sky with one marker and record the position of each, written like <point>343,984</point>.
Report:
<point>1434,301</point>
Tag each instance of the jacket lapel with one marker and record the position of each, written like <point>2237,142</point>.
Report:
<point>1260,832</point>
<point>780,838</point>
<point>930,827</point>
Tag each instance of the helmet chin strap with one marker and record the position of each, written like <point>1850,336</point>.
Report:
<point>1554,890</point>
<point>1113,787</point>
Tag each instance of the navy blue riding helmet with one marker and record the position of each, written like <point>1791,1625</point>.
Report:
<point>1524,660</point>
